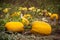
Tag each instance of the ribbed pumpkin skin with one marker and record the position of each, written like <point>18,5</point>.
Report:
<point>14,26</point>
<point>41,28</point>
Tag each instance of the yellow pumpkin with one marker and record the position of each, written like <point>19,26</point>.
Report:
<point>41,28</point>
<point>54,16</point>
<point>27,16</point>
<point>6,10</point>
<point>14,26</point>
<point>23,8</point>
<point>15,14</point>
<point>25,21</point>
<point>49,13</point>
<point>32,8</point>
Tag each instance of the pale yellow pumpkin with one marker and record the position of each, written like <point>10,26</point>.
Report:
<point>32,8</point>
<point>48,14</point>
<point>27,16</point>
<point>6,10</point>
<point>16,14</point>
<point>25,21</point>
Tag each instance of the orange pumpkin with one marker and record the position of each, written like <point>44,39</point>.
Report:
<point>14,26</point>
<point>41,28</point>
<point>54,16</point>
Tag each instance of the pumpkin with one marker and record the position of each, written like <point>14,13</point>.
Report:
<point>25,21</point>
<point>32,8</point>
<point>27,16</point>
<point>41,28</point>
<point>16,14</point>
<point>14,26</point>
<point>22,8</point>
<point>25,9</point>
<point>6,10</point>
<point>48,14</point>
<point>54,16</point>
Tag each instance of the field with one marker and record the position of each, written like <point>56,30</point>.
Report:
<point>24,20</point>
